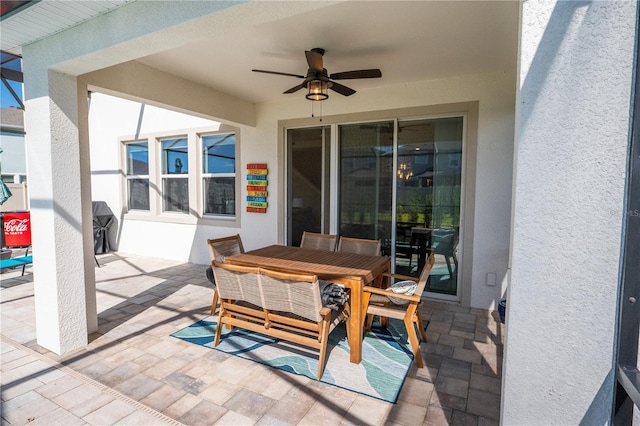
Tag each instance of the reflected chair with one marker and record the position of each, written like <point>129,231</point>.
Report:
<point>218,249</point>
<point>405,247</point>
<point>387,304</point>
<point>447,247</point>
<point>360,246</point>
<point>312,240</point>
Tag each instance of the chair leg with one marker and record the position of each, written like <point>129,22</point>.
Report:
<point>446,258</point>
<point>214,303</point>
<point>420,324</point>
<point>216,340</point>
<point>369,322</point>
<point>413,339</point>
<point>26,253</point>
<point>384,322</point>
<point>323,349</point>
<point>347,319</point>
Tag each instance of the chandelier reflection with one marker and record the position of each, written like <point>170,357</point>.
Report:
<point>405,171</point>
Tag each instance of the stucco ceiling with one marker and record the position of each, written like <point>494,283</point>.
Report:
<point>408,41</point>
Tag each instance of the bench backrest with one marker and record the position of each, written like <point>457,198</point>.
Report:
<point>298,294</point>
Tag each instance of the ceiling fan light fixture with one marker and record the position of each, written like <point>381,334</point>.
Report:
<point>318,90</point>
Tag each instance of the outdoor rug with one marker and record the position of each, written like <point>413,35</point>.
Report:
<point>386,355</point>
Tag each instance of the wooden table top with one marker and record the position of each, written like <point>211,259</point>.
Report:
<point>324,264</point>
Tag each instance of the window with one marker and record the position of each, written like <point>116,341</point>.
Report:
<point>175,178</point>
<point>137,159</point>
<point>219,174</point>
<point>182,176</point>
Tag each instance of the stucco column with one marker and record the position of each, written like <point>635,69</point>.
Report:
<point>576,78</point>
<point>60,196</point>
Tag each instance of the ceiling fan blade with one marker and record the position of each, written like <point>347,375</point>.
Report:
<point>343,90</point>
<point>296,88</point>
<point>373,73</point>
<point>314,59</point>
<point>280,73</point>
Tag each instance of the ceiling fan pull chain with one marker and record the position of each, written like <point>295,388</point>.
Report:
<point>313,107</point>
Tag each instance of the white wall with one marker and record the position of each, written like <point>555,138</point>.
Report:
<point>112,117</point>
<point>576,68</point>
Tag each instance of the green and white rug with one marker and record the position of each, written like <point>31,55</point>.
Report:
<point>386,356</point>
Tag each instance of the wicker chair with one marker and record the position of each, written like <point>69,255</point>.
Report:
<point>312,240</point>
<point>219,247</point>
<point>378,301</point>
<point>360,246</point>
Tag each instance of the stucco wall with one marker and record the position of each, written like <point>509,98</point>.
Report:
<point>112,118</point>
<point>571,158</point>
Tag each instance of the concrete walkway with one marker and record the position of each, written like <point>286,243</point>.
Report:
<point>38,390</point>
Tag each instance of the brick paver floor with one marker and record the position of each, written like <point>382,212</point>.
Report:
<point>133,373</point>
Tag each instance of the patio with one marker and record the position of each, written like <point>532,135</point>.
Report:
<point>134,372</point>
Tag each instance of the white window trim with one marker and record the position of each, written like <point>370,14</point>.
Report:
<point>195,176</point>
<point>132,177</point>
<point>162,176</point>
<point>203,175</point>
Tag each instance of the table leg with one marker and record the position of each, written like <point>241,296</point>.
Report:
<point>356,323</point>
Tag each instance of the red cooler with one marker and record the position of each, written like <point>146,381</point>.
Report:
<point>17,229</point>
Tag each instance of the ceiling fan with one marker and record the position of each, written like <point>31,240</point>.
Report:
<point>318,80</point>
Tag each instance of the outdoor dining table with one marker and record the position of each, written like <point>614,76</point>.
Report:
<point>354,271</point>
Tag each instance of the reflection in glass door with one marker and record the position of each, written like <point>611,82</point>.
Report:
<point>428,189</point>
<point>366,181</point>
<point>308,182</point>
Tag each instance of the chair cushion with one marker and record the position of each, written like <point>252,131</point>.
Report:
<point>403,287</point>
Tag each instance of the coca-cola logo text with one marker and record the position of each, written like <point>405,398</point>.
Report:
<point>16,226</point>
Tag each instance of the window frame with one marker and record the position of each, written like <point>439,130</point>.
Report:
<point>203,175</point>
<point>195,214</point>
<point>133,176</point>
<point>164,177</point>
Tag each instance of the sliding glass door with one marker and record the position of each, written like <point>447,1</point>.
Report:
<point>366,180</point>
<point>399,181</point>
<point>428,199</point>
<point>308,182</point>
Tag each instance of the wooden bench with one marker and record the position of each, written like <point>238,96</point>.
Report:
<point>16,261</point>
<point>281,305</point>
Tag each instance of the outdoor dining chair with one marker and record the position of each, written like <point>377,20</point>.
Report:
<point>218,249</point>
<point>360,246</point>
<point>386,303</point>
<point>312,240</point>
